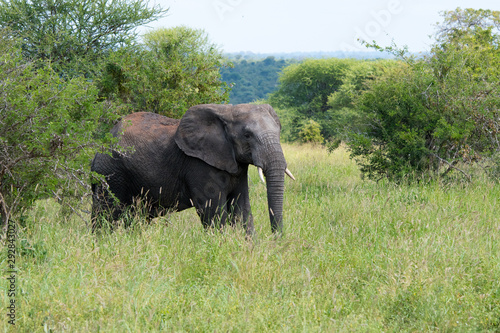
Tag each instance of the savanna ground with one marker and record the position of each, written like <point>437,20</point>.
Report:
<point>356,256</point>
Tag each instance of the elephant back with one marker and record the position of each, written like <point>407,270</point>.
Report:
<point>145,128</point>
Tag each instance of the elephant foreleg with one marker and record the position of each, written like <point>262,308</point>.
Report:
<point>212,213</point>
<point>239,206</point>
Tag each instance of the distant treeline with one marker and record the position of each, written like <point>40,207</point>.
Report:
<point>255,75</point>
<point>361,55</point>
<point>252,80</point>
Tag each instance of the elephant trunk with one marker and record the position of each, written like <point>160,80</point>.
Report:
<point>275,179</point>
<point>274,166</point>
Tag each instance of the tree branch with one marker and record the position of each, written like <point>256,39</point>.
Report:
<point>451,166</point>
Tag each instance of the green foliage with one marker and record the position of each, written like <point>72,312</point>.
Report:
<point>310,131</point>
<point>343,114</point>
<point>325,90</point>
<point>439,110</point>
<point>398,122</point>
<point>493,169</point>
<point>173,70</point>
<point>356,256</point>
<point>307,85</point>
<point>74,35</point>
<point>304,89</point>
<point>465,23</point>
<point>47,125</point>
<point>252,80</point>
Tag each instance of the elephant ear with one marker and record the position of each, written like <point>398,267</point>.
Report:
<point>202,134</point>
<point>273,114</point>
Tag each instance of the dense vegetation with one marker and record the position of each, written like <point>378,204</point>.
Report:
<point>441,111</point>
<point>172,70</point>
<point>252,77</point>
<point>323,90</point>
<point>48,126</point>
<point>252,80</point>
<point>73,35</point>
<point>356,256</point>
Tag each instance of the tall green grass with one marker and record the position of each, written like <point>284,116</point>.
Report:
<point>356,256</point>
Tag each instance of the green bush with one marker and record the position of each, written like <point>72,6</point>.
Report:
<point>311,132</point>
<point>436,112</point>
<point>49,129</point>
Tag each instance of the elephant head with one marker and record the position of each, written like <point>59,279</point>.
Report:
<point>227,137</point>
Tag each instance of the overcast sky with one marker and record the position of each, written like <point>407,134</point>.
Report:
<point>270,26</point>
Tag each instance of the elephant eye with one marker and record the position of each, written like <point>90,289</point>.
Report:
<point>248,135</point>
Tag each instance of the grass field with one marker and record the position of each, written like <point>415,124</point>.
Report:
<point>356,256</point>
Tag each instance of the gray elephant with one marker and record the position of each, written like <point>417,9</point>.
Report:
<point>199,161</point>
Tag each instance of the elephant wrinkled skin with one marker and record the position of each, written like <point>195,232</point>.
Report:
<point>199,161</point>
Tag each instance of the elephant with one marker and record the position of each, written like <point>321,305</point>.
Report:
<point>198,161</point>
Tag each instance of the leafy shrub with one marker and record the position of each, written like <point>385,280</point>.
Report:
<point>432,113</point>
<point>311,132</point>
<point>49,128</point>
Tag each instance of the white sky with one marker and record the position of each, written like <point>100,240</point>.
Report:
<point>268,26</point>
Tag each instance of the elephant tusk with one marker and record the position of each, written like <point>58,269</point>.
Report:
<point>289,174</point>
<point>261,175</point>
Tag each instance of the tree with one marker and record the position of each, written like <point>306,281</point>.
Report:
<point>173,70</point>
<point>307,85</point>
<point>394,143</point>
<point>48,126</point>
<point>303,92</point>
<point>73,34</point>
<point>460,23</point>
<point>438,110</point>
